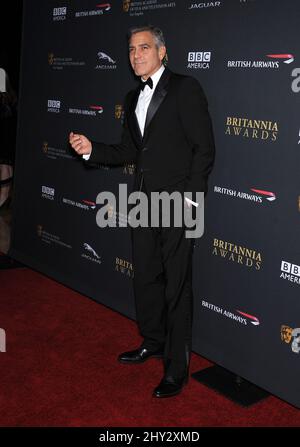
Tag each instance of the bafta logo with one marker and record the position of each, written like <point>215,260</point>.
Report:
<point>45,147</point>
<point>118,111</point>
<point>39,230</point>
<point>126,5</point>
<point>50,58</point>
<point>286,333</point>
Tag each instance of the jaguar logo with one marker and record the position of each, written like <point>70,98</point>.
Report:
<point>91,250</point>
<point>105,57</point>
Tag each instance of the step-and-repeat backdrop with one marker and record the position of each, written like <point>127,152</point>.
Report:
<point>75,75</point>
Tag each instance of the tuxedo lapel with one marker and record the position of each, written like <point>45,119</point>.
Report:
<point>157,98</point>
<point>133,122</point>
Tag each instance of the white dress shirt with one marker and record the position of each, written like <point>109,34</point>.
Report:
<point>145,98</point>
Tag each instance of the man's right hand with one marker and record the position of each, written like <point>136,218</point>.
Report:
<point>80,143</point>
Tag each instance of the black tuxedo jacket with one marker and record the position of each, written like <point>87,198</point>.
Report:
<point>178,143</point>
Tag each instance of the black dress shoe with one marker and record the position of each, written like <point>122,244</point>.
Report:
<point>170,386</point>
<point>140,355</point>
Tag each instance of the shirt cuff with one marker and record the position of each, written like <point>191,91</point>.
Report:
<point>86,156</point>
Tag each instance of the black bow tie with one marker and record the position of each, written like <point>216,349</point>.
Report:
<point>144,83</point>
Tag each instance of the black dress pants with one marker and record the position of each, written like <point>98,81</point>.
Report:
<point>162,259</point>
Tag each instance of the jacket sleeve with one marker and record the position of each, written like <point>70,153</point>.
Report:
<point>115,154</point>
<point>198,130</point>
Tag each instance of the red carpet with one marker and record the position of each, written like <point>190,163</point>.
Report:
<point>60,368</point>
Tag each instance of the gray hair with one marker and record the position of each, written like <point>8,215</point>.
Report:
<point>156,33</point>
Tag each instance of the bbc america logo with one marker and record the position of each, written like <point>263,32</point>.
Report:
<point>199,56</point>
<point>48,193</point>
<point>290,272</point>
<point>53,105</point>
<point>60,14</point>
<point>60,11</point>
<point>199,59</point>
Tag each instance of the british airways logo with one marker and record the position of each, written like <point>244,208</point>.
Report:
<point>98,11</point>
<point>105,6</point>
<point>252,318</point>
<point>270,196</point>
<point>286,58</point>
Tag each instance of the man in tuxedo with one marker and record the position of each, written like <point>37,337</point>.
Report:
<point>168,135</point>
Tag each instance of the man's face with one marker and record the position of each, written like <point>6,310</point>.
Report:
<point>145,57</point>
